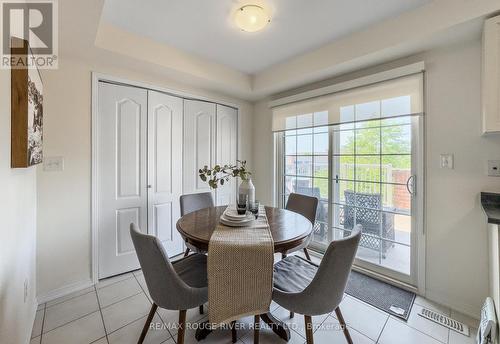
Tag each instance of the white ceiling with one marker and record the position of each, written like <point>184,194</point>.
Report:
<point>205,28</point>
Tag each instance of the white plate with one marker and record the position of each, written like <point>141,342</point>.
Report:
<point>232,214</point>
<point>240,223</point>
<point>236,219</point>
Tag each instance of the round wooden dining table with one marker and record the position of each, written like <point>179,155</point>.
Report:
<point>289,230</point>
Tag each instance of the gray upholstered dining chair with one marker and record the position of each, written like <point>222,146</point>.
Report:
<point>304,287</point>
<point>181,285</point>
<point>306,206</point>
<point>194,202</point>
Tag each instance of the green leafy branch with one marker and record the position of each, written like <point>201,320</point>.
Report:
<point>221,174</point>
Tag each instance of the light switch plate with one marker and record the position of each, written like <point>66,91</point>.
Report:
<point>447,161</point>
<point>494,168</point>
<point>53,163</point>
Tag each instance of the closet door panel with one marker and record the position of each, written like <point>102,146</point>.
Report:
<point>165,169</point>
<point>199,143</point>
<point>121,168</point>
<point>227,148</point>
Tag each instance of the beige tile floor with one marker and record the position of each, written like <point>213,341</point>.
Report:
<point>114,311</point>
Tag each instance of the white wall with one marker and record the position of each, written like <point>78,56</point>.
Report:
<point>64,198</point>
<point>457,249</point>
<point>263,139</point>
<point>17,233</point>
<point>456,236</point>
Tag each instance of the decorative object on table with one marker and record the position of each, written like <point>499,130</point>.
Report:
<point>247,188</point>
<point>232,218</point>
<point>218,175</point>
<point>221,174</point>
<point>253,207</point>
<point>26,109</point>
<point>241,205</point>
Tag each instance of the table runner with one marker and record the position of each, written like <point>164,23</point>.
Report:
<point>240,271</point>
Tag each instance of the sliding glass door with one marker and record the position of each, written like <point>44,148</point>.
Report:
<point>364,172</point>
<point>306,168</point>
<point>373,184</point>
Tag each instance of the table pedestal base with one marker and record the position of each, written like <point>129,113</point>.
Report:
<point>203,331</point>
<point>278,327</point>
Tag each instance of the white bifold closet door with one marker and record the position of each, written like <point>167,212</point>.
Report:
<point>165,169</point>
<point>210,137</point>
<point>199,143</point>
<point>227,148</point>
<point>139,172</point>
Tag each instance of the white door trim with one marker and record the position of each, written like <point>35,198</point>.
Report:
<point>96,77</point>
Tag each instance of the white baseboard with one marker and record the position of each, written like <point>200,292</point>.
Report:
<point>32,321</point>
<point>455,305</point>
<point>63,291</point>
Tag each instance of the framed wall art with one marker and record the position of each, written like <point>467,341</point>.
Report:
<point>26,108</point>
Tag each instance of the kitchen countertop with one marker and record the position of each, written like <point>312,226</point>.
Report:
<point>491,205</point>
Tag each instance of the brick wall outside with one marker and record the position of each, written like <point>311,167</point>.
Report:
<point>400,197</point>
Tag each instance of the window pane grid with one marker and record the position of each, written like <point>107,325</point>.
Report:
<point>369,187</point>
<point>369,155</point>
<point>350,124</point>
<point>306,172</point>
<point>338,127</point>
<point>349,231</point>
<point>305,165</point>
<point>346,126</point>
<point>302,176</point>
<point>369,161</point>
<point>367,181</point>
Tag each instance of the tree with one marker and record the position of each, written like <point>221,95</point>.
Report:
<point>371,138</point>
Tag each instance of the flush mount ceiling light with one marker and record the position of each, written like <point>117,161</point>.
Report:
<point>251,18</point>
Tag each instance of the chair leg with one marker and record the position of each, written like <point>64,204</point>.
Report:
<point>341,320</point>
<point>201,309</point>
<point>182,327</point>
<point>306,252</point>
<point>309,329</point>
<point>187,252</point>
<point>256,329</point>
<point>234,335</point>
<point>292,314</point>
<point>148,322</point>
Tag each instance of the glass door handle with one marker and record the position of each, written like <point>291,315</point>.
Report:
<point>410,185</point>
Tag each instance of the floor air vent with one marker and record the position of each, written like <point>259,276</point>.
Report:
<point>445,321</point>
